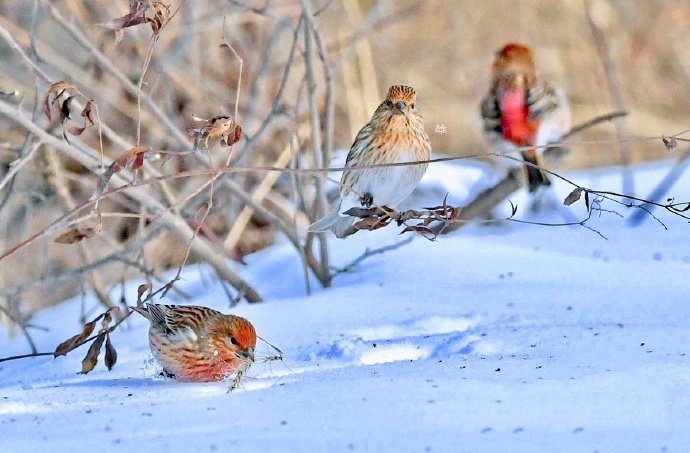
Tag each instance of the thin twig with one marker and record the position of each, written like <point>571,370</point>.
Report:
<point>594,121</point>
<point>616,90</point>
<point>7,37</point>
<point>22,326</point>
<point>277,102</point>
<point>105,63</point>
<point>177,225</point>
<point>368,253</point>
<point>662,188</point>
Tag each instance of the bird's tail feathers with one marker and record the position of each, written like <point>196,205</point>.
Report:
<point>142,310</point>
<point>344,227</point>
<point>340,225</point>
<point>326,222</point>
<point>536,177</point>
<point>153,312</point>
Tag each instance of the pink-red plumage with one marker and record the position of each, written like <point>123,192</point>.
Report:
<point>514,120</point>
<point>395,134</point>
<point>198,344</point>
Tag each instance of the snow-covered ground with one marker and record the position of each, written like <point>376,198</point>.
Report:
<point>508,337</point>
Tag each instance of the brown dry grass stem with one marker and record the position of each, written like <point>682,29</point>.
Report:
<point>107,65</point>
<point>317,145</point>
<point>172,206</point>
<point>176,224</point>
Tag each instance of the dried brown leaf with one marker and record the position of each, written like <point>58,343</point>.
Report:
<point>422,230</point>
<point>53,94</point>
<point>91,358</point>
<point>78,234</point>
<point>68,345</point>
<point>107,318</point>
<point>55,101</point>
<point>573,196</point>
<point>161,17</point>
<point>138,161</point>
<point>141,290</point>
<point>217,128</point>
<point>362,213</point>
<point>371,223</point>
<point>110,354</point>
<point>87,114</point>
<point>232,139</point>
<point>65,108</point>
<point>136,16</point>
<point>670,143</point>
<point>133,156</point>
<point>418,229</point>
<point>74,131</point>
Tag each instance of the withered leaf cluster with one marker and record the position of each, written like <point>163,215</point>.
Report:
<point>133,159</point>
<point>78,234</point>
<point>156,14</point>
<point>57,104</point>
<point>670,143</point>
<point>219,129</point>
<point>91,359</point>
<point>379,217</point>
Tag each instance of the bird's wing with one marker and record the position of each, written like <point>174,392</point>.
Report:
<point>174,319</point>
<point>491,114</point>
<point>359,145</point>
<point>549,105</point>
<point>349,198</point>
<point>325,222</point>
<point>542,100</point>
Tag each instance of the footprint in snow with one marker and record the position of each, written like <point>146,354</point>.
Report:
<point>434,337</point>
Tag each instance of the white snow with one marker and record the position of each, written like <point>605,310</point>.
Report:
<point>509,337</point>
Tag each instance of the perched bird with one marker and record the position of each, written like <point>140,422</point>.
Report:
<point>521,109</point>
<point>394,134</point>
<point>198,344</point>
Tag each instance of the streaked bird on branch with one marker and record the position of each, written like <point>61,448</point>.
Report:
<point>395,134</point>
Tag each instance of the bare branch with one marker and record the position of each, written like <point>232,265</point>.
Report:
<point>616,90</point>
<point>368,253</point>
<point>175,223</point>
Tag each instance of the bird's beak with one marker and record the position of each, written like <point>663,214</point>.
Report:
<point>401,107</point>
<point>247,354</point>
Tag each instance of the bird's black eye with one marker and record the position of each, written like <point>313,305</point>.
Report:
<point>412,105</point>
<point>388,103</point>
<point>233,340</point>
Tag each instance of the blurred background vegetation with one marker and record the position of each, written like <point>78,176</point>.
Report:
<point>442,48</point>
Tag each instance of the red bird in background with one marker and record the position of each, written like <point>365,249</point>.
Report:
<point>521,109</point>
